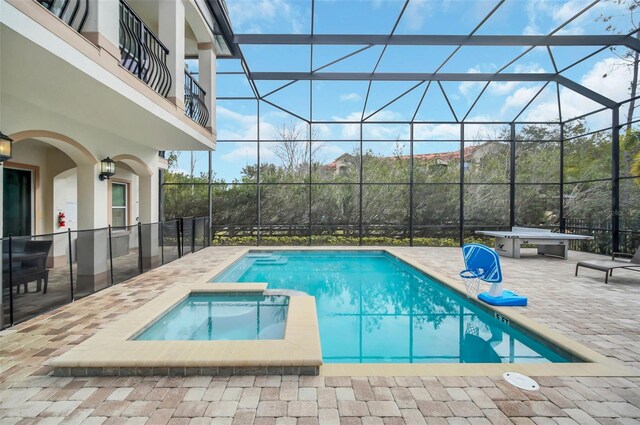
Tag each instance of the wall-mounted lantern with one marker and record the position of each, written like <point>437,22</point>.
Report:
<point>6,147</point>
<point>107,168</point>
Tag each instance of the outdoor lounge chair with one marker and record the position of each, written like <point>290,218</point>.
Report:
<point>607,266</point>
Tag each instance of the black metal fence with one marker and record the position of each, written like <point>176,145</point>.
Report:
<point>43,272</point>
<point>601,232</point>
<point>142,53</point>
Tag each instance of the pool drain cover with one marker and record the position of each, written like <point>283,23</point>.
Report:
<point>521,381</point>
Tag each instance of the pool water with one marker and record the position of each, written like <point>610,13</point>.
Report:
<point>374,308</point>
<point>221,317</point>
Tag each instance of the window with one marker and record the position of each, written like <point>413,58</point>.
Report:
<point>119,204</point>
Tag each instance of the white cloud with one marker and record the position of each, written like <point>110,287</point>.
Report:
<point>519,98</point>
<point>567,10</point>
<point>235,126</point>
<point>349,131</point>
<point>469,88</point>
<point>415,13</point>
<point>436,131</point>
<point>615,86</point>
<point>510,86</point>
<point>257,16</point>
<point>242,152</point>
<point>330,151</point>
<point>350,97</point>
<point>321,131</point>
<point>373,131</point>
<point>544,16</point>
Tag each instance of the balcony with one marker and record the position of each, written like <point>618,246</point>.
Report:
<point>194,100</point>
<point>142,53</point>
<point>73,12</point>
<point>133,41</point>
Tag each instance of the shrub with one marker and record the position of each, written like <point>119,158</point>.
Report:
<point>326,240</point>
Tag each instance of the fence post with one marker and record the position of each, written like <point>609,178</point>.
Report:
<point>140,248</point>
<point>193,235</point>
<point>563,221</point>
<point>615,180</point>
<point>461,187</point>
<point>161,224</point>
<point>10,281</point>
<point>110,256</point>
<point>512,176</point>
<point>411,194</point>
<point>178,239</point>
<point>70,263</point>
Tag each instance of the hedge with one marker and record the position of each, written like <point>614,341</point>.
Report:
<point>344,240</point>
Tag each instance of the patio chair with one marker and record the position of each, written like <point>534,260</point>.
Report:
<point>37,267</point>
<point>607,266</point>
<point>30,264</point>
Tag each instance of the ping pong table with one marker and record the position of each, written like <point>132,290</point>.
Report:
<point>508,243</point>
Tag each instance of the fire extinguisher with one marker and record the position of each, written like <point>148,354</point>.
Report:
<point>61,219</point>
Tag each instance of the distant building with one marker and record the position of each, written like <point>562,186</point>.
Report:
<point>472,155</point>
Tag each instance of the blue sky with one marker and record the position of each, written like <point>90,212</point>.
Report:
<point>338,102</point>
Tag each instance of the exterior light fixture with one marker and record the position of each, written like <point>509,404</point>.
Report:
<point>6,147</point>
<point>107,168</point>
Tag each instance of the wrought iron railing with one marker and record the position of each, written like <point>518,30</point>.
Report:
<point>72,12</point>
<point>194,100</point>
<point>142,53</point>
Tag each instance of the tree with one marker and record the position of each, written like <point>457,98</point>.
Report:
<point>295,150</point>
<point>172,160</point>
<point>631,59</point>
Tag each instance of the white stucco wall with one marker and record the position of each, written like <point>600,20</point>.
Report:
<point>65,199</point>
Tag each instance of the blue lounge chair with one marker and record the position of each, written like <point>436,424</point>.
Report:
<point>484,263</point>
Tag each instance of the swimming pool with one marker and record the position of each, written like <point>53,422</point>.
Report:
<point>209,317</point>
<point>374,308</point>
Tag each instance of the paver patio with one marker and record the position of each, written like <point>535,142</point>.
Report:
<point>603,317</point>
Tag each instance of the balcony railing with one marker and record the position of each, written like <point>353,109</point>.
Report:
<point>142,53</point>
<point>72,12</point>
<point>194,104</point>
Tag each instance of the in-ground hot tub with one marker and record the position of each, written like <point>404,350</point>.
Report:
<point>194,329</point>
<point>223,317</point>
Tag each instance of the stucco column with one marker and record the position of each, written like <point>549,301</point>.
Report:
<point>148,192</point>
<point>92,247</point>
<point>171,33</point>
<point>207,79</point>
<point>102,27</point>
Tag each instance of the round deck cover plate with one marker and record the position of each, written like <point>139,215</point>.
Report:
<point>521,381</point>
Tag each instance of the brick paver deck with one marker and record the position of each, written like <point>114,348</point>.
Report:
<point>603,317</point>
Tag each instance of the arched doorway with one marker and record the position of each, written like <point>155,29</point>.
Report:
<point>28,181</point>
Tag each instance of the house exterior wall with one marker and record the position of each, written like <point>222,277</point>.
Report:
<point>68,102</point>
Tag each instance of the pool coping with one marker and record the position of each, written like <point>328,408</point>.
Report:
<point>111,351</point>
<point>595,364</point>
